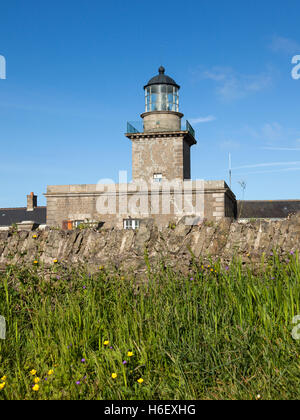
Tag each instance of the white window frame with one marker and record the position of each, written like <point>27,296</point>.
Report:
<point>77,223</point>
<point>131,224</point>
<point>157,177</point>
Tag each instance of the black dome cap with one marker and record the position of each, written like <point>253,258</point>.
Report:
<point>162,79</point>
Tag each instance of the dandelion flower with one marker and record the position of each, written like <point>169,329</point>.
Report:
<point>114,375</point>
<point>36,387</point>
<point>2,385</point>
<point>140,381</point>
<point>33,372</point>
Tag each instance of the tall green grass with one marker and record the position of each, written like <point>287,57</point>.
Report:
<point>217,333</point>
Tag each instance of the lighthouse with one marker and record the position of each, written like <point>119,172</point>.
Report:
<point>161,150</point>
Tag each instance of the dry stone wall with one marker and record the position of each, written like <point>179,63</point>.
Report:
<point>177,246</point>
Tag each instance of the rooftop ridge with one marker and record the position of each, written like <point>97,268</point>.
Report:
<point>21,208</point>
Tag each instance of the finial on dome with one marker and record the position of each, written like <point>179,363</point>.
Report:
<point>161,70</point>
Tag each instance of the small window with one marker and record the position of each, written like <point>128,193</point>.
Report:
<point>77,223</point>
<point>157,177</point>
<point>131,224</point>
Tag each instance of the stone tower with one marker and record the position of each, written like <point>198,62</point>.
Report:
<point>162,149</point>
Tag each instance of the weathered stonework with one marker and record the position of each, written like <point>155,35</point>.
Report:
<point>177,246</point>
<point>160,121</point>
<point>81,202</point>
<point>164,153</point>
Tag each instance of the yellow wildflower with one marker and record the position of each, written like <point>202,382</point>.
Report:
<point>101,267</point>
<point>55,261</point>
<point>2,385</point>
<point>35,387</point>
<point>34,236</point>
<point>3,378</point>
<point>33,372</point>
<point>130,354</point>
<point>35,262</point>
<point>106,343</point>
<point>140,381</point>
<point>114,375</point>
<point>50,372</point>
<point>36,380</point>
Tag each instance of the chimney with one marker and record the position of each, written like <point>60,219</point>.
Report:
<point>31,202</point>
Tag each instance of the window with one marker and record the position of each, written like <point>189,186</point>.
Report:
<point>157,177</point>
<point>131,224</point>
<point>67,225</point>
<point>77,223</point>
<point>161,98</point>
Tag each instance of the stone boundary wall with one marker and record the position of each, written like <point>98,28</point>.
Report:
<point>178,246</point>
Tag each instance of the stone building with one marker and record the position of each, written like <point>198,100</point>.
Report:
<point>161,188</point>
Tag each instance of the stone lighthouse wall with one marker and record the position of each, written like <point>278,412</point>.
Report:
<point>166,155</point>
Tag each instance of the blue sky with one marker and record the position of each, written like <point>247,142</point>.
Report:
<point>75,76</point>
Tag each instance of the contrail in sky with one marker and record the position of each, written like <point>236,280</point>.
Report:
<point>262,165</point>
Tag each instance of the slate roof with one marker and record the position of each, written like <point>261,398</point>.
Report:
<point>277,209</point>
<point>20,214</point>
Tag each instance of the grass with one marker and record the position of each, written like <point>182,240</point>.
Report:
<point>217,333</point>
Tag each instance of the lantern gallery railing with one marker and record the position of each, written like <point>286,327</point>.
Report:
<point>190,129</point>
<point>137,127</point>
